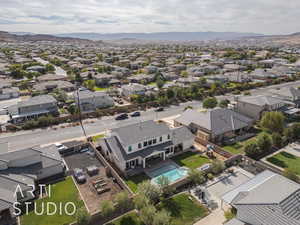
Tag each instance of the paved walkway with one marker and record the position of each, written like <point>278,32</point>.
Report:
<point>216,217</point>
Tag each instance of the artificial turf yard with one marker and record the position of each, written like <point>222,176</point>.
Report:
<point>191,160</point>
<point>183,208</point>
<point>133,181</point>
<point>286,160</point>
<point>64,191</point>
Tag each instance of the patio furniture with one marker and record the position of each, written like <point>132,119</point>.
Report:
<point>102,190</point>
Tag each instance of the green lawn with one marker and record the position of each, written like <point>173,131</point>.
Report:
<point>183,210</point>
<point>133,181</point>
<point>97,137</point>
<point>286,160</point>
<point>128,219</point>
<point>191,160</point>
<point>62,192</point>
<point>100,88</point>
<point>238,148</point>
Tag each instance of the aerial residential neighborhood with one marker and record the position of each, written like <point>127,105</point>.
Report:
<point>149,112</point>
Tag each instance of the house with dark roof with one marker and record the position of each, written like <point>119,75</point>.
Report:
<point>134,146</point>
<point>214,125</point>
<point>25,169</point>
<point>266,199</point>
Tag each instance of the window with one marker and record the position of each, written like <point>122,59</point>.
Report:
<point>145,143</point>
<point>160,139</point>
<point>154,141</point>
<point>150,142</point>
<point>129,148</point>
<point>169,136</point>
<point>140,145</point>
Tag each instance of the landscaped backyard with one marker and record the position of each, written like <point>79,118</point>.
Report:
<point>191,160</point>
<point>238,148</point>
<point>183,208</point>
<point>133,181</point>
<point>286,160</point>
<point>62,192</point>
<point>128,219</point>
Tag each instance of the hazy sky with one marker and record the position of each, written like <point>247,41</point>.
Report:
<point>113,16</point>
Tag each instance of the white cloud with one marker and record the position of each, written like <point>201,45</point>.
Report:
<point>61,16</point>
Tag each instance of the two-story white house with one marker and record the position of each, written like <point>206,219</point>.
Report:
<point>137,145</point>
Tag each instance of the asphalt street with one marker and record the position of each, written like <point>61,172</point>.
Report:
<point>24,139</point>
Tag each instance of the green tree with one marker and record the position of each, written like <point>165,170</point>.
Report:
<point>224,103</point>
<point>162,217</point>
<point>90,84</point>
<point>82,217</point>
<point>123,201</point>
<point>160,83</point>
<point>277,140</point>
<point>217,166</point>
<point>210,103</point>
<point>196,177</point>
<point>107,208</point>
<point>273,121</point>
<point>151,191</point>
<point>147,214</point>
<point>49,68</point>
<point>140,201</point>
<point>164,184</point>
<point>251,149</point>
<point>264,142</point>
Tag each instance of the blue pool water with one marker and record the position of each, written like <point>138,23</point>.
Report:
<point>172,172</point>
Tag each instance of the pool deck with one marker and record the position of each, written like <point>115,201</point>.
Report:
<point>149,171</point>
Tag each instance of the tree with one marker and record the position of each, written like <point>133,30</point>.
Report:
<point>49,68</point>
<point>251,149</point>
<point>288,134</point>
<point>123,201</point>
<point>264,142</point>
<point>82,217</point>
<point>160,83</point>
<point>162,218</point>
<point>217,166</point>
<point>273,121</point>
<point>90,84</point>
<point>224,103</point>
<point>147,214</point>
<point>196,177</point>
<point>291,175</point>
<point>164,184</point>
<point>151,191</point>
<point>140,201</point>
<point>107,208</point>
<point>277,140</point>
<point>210,103</point>
<point>296,130</point>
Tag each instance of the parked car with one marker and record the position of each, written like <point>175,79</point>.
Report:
<point>60,147</point>
<point>135,114</point>
<point>79,175</point>
<point>159,109</point>
<point>123,116</point>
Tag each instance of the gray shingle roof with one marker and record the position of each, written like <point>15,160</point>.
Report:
<point>217,121</point>
<point>37,100</point>
<point>261,100</point>
<point>139,132</point>
<point>235,222</point>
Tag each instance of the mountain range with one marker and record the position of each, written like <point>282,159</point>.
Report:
<point>171,36</point>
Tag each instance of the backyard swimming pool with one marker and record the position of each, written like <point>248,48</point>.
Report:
<point>172,172</point>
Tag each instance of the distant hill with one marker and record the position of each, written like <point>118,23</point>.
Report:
<point>172,36</point>
<point>6,36</point>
